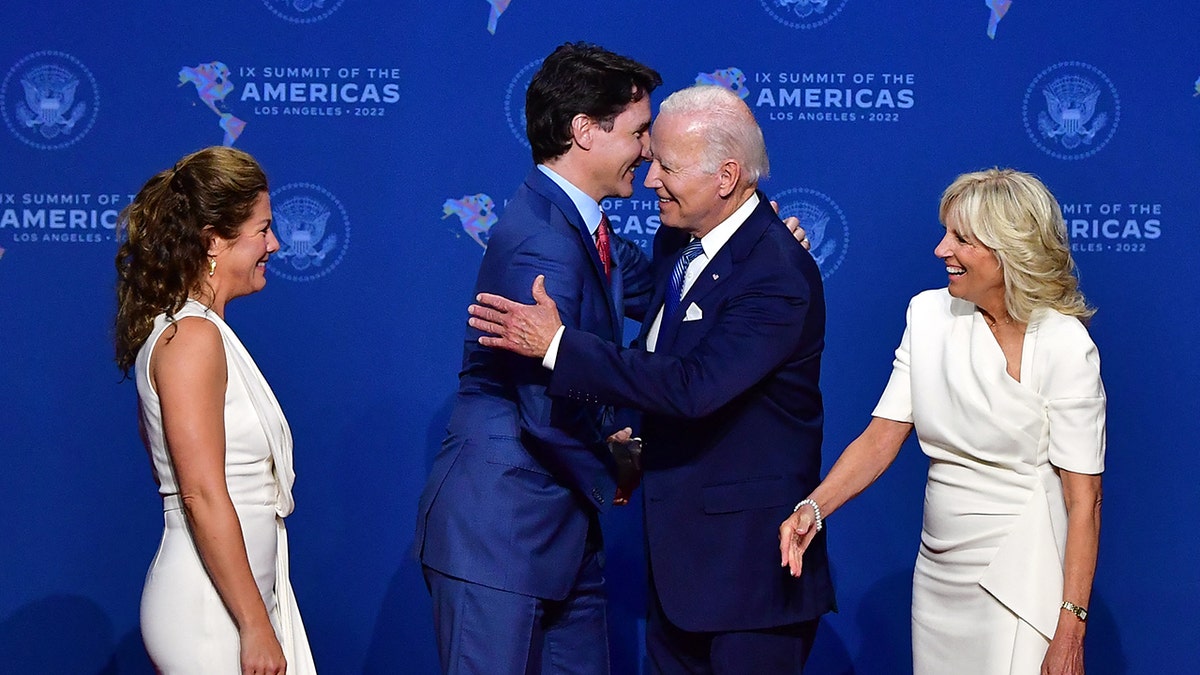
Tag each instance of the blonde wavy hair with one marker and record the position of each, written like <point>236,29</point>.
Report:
<point>165,233</point>
<point>1014,215</point>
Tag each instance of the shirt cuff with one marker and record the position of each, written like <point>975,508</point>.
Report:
<point>552,351</point>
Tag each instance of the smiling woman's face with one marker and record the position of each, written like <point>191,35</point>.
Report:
<point>974,270</point>
<point>242,262</point>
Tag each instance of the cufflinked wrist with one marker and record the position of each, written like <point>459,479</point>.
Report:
<point>1079,612</point>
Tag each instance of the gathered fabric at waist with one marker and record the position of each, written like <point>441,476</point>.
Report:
<point>976,487</point>
<point>972,506</point>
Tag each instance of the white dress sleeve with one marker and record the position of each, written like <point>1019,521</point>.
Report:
<point>896,402</point>
<point>1074,398</point>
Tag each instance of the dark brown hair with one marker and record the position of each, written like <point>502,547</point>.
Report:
<point>165,234</point>
<point>580,78</point>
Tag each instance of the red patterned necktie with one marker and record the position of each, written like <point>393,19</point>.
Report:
<point>602,246</point>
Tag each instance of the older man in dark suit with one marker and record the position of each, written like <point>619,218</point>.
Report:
<point>728,381</point>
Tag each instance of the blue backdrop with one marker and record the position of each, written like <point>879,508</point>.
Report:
<point>392,133</point>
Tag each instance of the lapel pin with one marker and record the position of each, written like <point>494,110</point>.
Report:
<point>716,276</point>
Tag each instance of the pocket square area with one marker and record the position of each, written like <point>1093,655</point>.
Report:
<point>693,313</point>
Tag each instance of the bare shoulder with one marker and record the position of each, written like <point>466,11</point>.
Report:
<point>188,350</point>
<point>188,370</point>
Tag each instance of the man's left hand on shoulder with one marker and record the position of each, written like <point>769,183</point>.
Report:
<point>793,226</point>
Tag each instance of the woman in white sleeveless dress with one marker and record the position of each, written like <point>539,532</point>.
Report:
<point>217,597</point>
<point>1001,381</point>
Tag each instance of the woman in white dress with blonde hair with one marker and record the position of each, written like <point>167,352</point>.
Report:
<point>217,597</point>
<point>1000,380</point>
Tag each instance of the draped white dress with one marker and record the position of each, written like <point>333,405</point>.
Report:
<point>989,574</point>
<point>185,625</point>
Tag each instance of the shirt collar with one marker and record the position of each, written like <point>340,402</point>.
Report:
<point>716,237</point>
<point>589,210</point>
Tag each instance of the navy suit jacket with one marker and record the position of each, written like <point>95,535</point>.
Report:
<point>521,476</point>
<point>732,427</point>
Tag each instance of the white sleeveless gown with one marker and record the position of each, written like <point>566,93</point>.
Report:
<point>185,626</point>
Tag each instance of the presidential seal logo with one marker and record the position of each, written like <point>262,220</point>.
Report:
<point>49,100</point>
<point>514,100</point>
<point>732,79</point>
<point>803,14</point>
<point>476,214</point>
<point>1071,110</point>
<point>823,222</point>
<point>313,231</point>
<point>303,11</point>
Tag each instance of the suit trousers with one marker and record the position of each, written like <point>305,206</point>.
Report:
<point>672,650</point>
<point>493,632</point>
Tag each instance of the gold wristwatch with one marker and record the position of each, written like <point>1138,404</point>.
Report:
<point>1079,612</point>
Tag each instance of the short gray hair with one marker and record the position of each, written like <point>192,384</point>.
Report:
<point>729,128</point>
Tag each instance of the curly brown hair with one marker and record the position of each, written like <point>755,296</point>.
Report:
<point>165,234</point>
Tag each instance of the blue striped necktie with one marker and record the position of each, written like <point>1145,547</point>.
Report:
<point>675,288</point>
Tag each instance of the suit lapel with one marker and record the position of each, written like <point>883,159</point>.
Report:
<point>717,270</point>
<point>663,262</point>
<point>717,273</point>
<point>541,184</point>
<point>616,296</point>
<point>656,303</point>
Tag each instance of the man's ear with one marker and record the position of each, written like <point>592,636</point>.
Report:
<point>582,128</point>
<point>729,173</point>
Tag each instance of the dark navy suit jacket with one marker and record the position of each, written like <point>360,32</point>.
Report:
<point>522,476</point>
<point>732,428</point>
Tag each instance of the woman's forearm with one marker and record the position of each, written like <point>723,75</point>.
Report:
<point>1082,494</point>
<point>218,536</point>
<point>861,463</point>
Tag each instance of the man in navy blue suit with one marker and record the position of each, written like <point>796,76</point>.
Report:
<point>728,381</point>
<point>507,526</point>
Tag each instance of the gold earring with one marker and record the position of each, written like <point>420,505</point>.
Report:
<point>212,266</point>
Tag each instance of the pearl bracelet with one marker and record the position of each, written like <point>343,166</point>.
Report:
<point>817,519</point>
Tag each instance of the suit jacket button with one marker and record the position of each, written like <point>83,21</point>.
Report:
<point>597,496</point>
